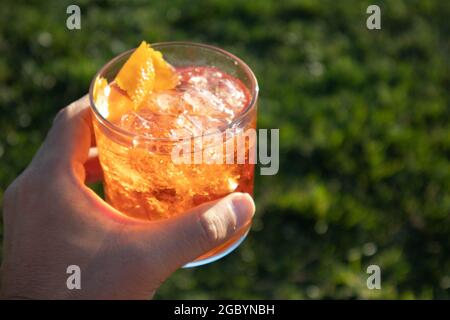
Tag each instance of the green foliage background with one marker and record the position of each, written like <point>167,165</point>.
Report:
<point>364,131</point>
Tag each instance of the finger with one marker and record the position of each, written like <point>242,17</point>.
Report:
<point>94,172</point>
<point>71,134</point>
<point>182,239</point>
<point>72,131</point>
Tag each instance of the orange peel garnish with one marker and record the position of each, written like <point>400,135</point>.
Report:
<point>111,101</point>
<point>145,71</point>
<point>137,75</point>
<point>118,103</point>
<point>165,75</point>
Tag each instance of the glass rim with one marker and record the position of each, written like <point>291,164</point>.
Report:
<point>254,90</point>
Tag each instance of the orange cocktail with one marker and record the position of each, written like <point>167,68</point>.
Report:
<point>169,132</point>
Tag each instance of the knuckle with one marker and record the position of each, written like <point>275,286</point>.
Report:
<point>28,183</point>
<point>65,113</point>
<point>61,114</point>
<point>210,226</point>
<point>31,187</point>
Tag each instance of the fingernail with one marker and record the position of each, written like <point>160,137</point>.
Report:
<point>243,207</point>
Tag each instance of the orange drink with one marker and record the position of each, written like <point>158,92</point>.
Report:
<point>173,125</point>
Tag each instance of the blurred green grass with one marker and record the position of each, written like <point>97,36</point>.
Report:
<point>364,131</point>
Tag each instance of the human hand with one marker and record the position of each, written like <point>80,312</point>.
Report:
<point>53,220</point>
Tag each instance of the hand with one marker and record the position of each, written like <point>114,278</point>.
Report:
<point>53,220</point>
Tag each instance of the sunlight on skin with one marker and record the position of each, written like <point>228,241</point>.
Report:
<point>56,222</point>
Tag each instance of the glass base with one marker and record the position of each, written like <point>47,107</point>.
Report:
<point>226,251</point>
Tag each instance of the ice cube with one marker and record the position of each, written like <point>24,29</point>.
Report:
<point>231,94</point>
<point>167,102</point>
<point>148,123</point>
<point>191,125</point>
<point>204,101</point>
<point>198,81</point>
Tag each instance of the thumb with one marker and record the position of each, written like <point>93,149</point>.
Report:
<point>184,238</point>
